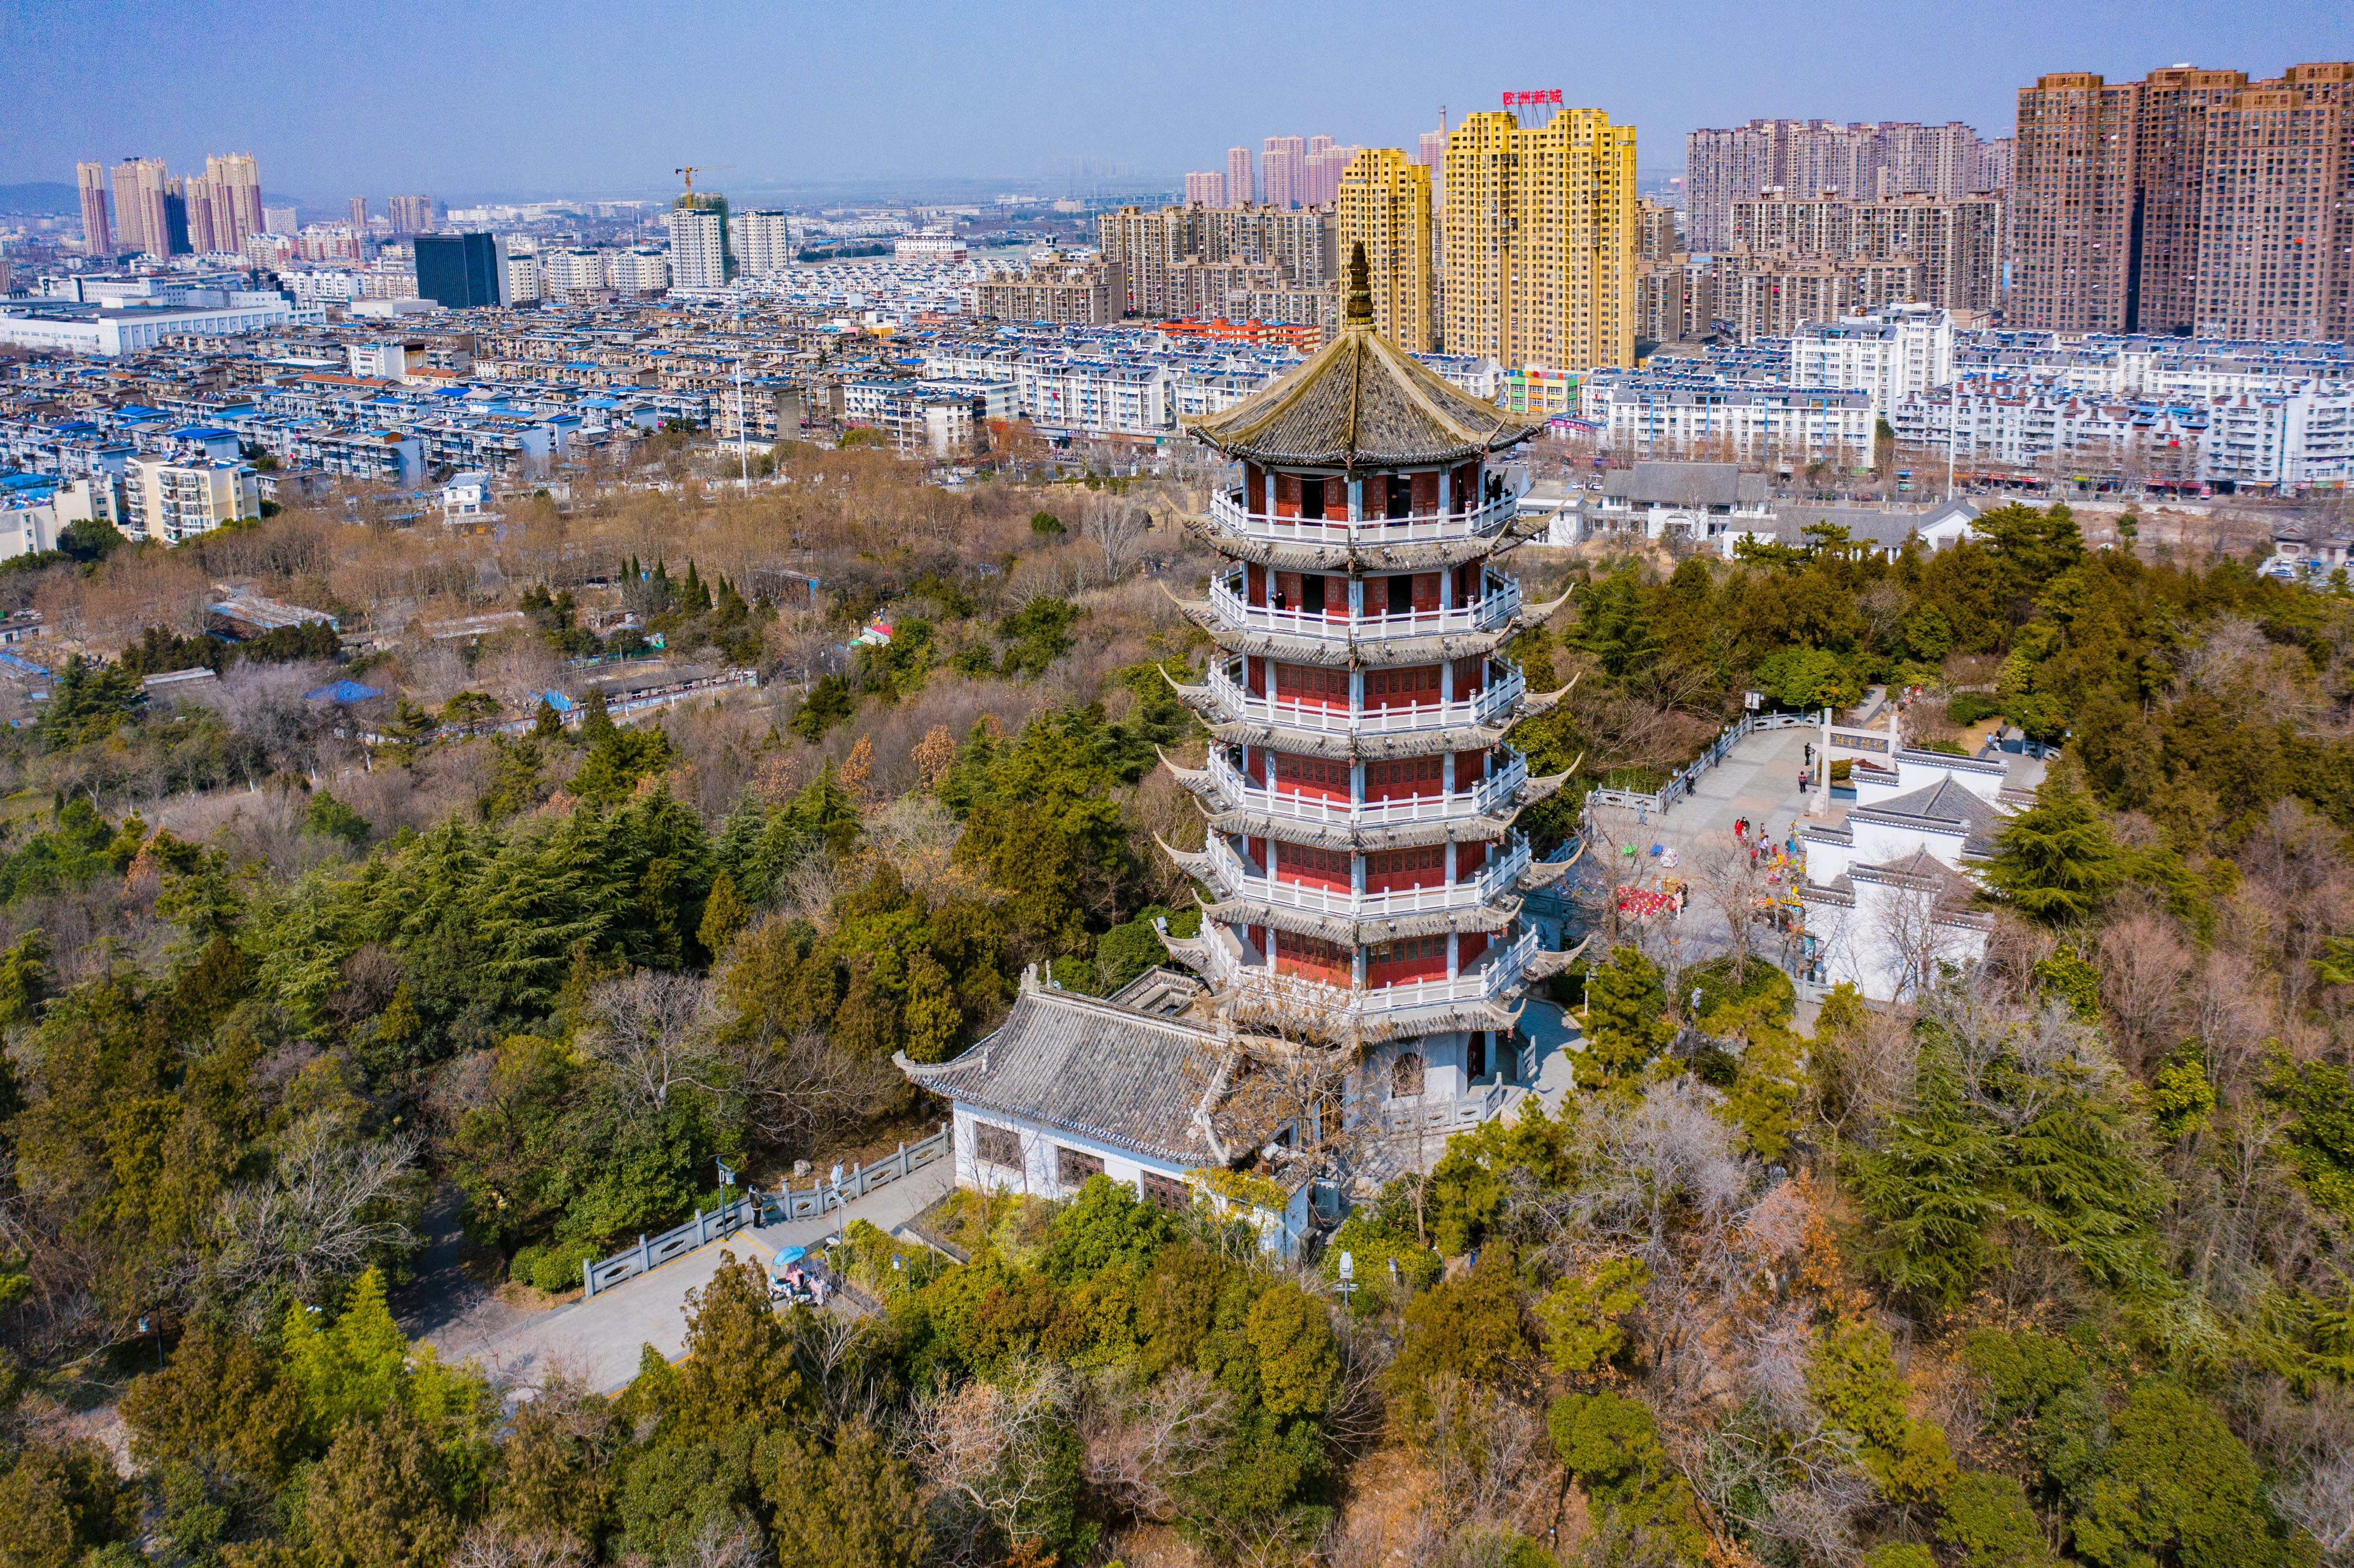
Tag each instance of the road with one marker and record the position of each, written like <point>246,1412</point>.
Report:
<point>600,1339</point>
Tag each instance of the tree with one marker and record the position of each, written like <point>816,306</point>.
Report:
<point>1988,1520</point>
<point>2180,1488</point>
<point>738,1369</point>
<point>854,1504</point>
<point>221,1401</point>
<point>60,1502</point>
<point>724,915</point>
<point>1627,1019</point>
<point>1925,1189</point>
<point>2055,861</point>
<point>380,1498</point>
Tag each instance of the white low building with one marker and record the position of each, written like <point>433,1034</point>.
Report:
<point>1073,1086</point>
<point>1888,893</point>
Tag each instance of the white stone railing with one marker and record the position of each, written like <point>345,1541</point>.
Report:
<point>1238,879</point>
<point>1229,512</point>
<point>1487,707</point>
<point>1491,795</point>
<point>1496,975</point>
<point>1486,614</point>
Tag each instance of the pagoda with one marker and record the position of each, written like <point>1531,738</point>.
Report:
<point>1365,876</point>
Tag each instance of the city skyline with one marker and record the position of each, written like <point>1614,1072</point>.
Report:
<point>923,98</point>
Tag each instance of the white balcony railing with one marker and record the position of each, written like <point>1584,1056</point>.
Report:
<point>1497,974</point>
<point>1489,705</point>
<point>1229,512</point>
<point>1496,609</point>
<point>1238,879</point>
<point>1487,796</point>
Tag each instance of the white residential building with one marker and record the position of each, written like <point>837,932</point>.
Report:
<point>699,251</point>
<point>638,271</point>
<point>522,279</point>
<point>1892,353</point>
<point>768,245</point>
<point>169,501</point>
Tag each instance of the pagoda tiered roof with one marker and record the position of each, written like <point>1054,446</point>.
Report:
<point>1360,402</point>
<point>1362,555</point>
<point>1336,650</point>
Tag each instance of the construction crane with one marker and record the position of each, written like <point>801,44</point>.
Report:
<point>693,169</point>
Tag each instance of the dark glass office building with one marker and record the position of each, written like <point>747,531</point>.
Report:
<point>460,271</point>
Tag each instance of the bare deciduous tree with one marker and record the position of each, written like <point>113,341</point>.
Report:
<point>314,1219</point>
<point>1117,527</point>
<point>491,1544</point>
<point>651,1030</point>
<point>1141,1440</point>
<point>982,1448</point>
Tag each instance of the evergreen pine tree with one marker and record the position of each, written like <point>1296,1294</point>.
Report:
<point>2055,861</point>
<point>932,1014</point>
<point>1626,1021</point>
<point>1926,1189</point>
<point>724,915</point>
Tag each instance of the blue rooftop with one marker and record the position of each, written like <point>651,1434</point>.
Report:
<point>343,692</point>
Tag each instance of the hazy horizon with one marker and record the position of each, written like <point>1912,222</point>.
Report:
<point>338,99</point>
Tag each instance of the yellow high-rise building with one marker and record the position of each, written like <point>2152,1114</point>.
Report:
<point>1541,238</point>
<point>1384,205</point>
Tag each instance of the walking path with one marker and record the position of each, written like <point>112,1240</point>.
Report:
<point>600,1339</point>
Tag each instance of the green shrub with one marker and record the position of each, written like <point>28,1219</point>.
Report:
<point>1970,707</point>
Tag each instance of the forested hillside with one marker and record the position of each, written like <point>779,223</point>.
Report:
<point>2052,1267</point>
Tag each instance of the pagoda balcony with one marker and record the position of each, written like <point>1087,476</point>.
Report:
<point>1491,706</point>
<point>1230,966</point>
<point>1495,795</point>
<point>1230,513</point>
<point>1236,878</point>
<point>1491,612</point>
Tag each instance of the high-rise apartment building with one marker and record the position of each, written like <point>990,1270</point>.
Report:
<point>1811,157</point>
<point>412,214</point>
<point>1655,231</point>
<point>359,215</point>
<point>1283,171</point>
<point>235,196</point>
<point>97,227</point>
<point>1205,188</point>
<point>1240,188</point>
<point>767,242</point>
<point>277,220</point>
<point>1149,245</point>
<point>1539,239</point>
<point>1954,242</point>
<point>2276,219</point>
<point>461,271</point>
<point>141,220</point>
<point>1384,205</point>
<point>699,254</point>
<point>2192,201</point>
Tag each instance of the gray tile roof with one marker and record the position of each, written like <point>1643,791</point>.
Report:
<point>1361,401</point>
<point>1685,484</point>
<point>1085,1065</point>
<point>1945,804</point>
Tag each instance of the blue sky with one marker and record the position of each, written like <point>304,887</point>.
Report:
<point>520,97</point>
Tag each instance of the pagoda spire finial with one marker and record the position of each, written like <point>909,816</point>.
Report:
<point>1359,311</point>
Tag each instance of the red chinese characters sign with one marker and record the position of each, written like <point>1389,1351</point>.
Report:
<point>1541,98</point>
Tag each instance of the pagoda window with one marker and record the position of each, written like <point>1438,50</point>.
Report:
<point>1468,676</point>
<point>1306,862</point>
<point>1468,950</point>
<point>1311,594</point>
<point>1327,961</point>
<point>1425,494</point>
<point>1255,482</point>
<point>1313,684</point>
<point>1399,499</point>
<point>1401,688</point>
<point>1301,775</point>
<point>1400,592</point>
<point>1407,777</point>
<point>1424,866</point>
<point>1286,495</point>
<point>1312,497</point>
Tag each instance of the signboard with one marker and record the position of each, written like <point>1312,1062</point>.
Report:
<point>1753,700</point>
<point>1540,98</point>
